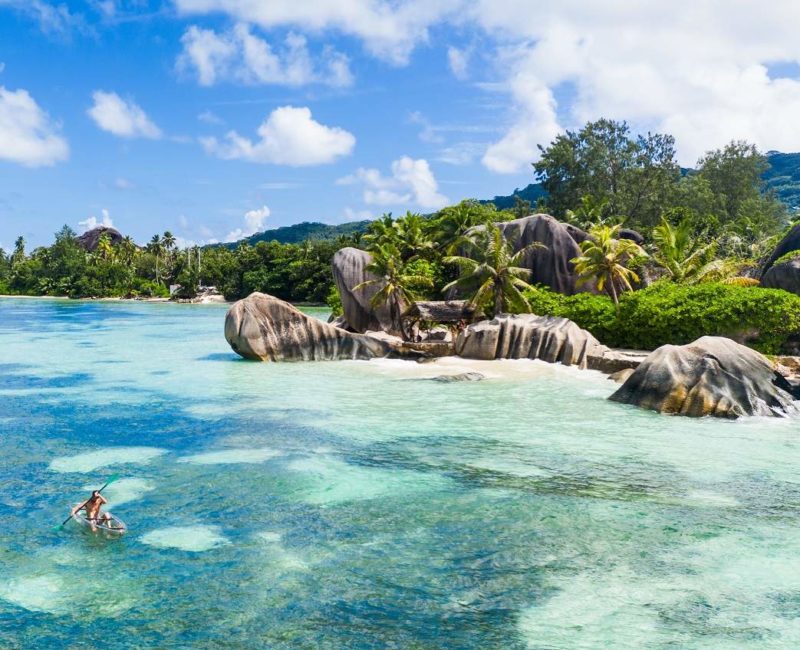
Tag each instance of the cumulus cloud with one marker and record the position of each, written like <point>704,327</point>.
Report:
<point>411,181</point>
<point>254,222</point>
<point>389,30</point>
<point>53,19</point>
<point>701,74</point>
<point>289,136</point>
<point>239,55</point>
<point>695,68</point>
<point>458,60</point>
<point>123,118</point>
<point>27,134</point>
<point>93,222</point>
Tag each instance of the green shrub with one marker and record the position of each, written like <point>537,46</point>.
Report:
<point>334,301</point>
<point>765,319</point>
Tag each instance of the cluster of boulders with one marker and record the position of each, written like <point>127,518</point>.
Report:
<point>713,376</point>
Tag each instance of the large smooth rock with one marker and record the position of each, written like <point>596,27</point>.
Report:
<point>349,267</point>
<point>711,376</point>
<point>550,266</point>
<point>264,328</point>
<point>89,240</point>
<point>785,275</point>
<point>527,336</point>
<point>790,242</point>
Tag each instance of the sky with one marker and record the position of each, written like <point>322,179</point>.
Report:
<point>215,119</point>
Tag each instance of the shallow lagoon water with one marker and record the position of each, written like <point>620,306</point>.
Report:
<point>357,505</point>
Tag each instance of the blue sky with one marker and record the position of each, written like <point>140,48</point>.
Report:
<point>215,118</point>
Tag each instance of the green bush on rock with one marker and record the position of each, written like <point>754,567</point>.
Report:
<point>765,319</point>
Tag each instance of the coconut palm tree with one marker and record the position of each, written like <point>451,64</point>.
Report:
<point>156,247</point>
<point>604,257</point>
<point>396,281</point>
<point>412,231</point>
<point>105,249</point>
<point>128,249</point>
<point>491,271</point>
<point>678,252</point>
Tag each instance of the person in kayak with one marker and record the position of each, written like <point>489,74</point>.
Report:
<point>92,507</point>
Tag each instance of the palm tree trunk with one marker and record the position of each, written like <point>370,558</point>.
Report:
<point>612,289</point>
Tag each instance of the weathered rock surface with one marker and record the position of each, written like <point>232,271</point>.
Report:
<point>635,236</point>
<point>785,275</point>
<point>89,240</point>
<point>349,270</point>
<point>712,376</point>
<point>527,336</point>
<point>550,266</point>
<point>610,361</point>
<point>265,328</point>
<point>621,376</point>
<point>791,242</point>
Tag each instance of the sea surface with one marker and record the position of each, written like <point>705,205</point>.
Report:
<point>361,505</point>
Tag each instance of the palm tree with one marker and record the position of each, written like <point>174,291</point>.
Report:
<point>156,247</point>
<point>128,249</point>
<point>105,249</point>
<point>491,271</point>
<point>604,257</point>
<point>168,240</point>
<point>381,232</point>
<point>678,252</point>
<point>396,281</point>
<point>412,233</point>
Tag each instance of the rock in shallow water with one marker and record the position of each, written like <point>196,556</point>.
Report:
<point>464,376</point>
<point>264,328</point>
<point>711,376</point>
<point>527,336</point>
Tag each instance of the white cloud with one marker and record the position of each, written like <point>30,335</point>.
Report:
<point>411,181</point>
<point>357,215</point>
<point>123,183</point>
<point>695,69</point>
<point>289,136</point>
<point>389,30</point>
<point>123,118</point>
<point>52,18</point>
<point>458,60</point>
<point>27,134</point>
<point>208,117</point>
<point>92,222</point>
<point>240,56</point>
<point>254,221</point>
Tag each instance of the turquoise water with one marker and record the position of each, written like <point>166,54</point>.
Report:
<point>357,505</point>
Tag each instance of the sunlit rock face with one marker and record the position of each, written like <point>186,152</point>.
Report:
<point>527,336</point>
<point>264,328</point>
<point>712,376</point>
<point>550,265</point>
<point>349,267</point>
<point>785,275</point>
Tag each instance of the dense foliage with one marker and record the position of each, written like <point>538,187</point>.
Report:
<point>666,312</point>
<point>636,179</point>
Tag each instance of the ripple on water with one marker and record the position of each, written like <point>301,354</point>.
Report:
<point>232,456</point>
<point>195,539</point>
<point>92,460</point>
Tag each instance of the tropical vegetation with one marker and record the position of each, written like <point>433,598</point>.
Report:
<point>706,232</point>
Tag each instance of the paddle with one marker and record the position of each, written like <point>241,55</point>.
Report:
<point>110,480</point>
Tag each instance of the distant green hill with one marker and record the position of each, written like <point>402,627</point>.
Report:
<point>300,232</point>
<point>783,177</point>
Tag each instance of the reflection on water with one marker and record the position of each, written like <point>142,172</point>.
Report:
<point>345,505</point>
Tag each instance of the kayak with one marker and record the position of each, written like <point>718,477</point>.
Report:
<point>115,526</point>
